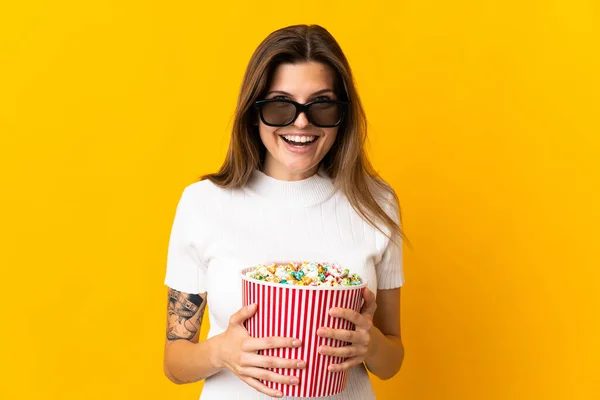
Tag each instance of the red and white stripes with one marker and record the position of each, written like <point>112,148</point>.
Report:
<point>297,312</point>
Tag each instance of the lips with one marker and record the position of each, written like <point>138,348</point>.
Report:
<point>299,143</point>
<point>298,147</point>
<point>299,140</point>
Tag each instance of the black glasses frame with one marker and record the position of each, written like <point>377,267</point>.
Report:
<point>301,108</point>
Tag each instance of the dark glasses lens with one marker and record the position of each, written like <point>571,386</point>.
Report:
<point>325,114</point>
<point>278,113</point>
<point>321,113</point>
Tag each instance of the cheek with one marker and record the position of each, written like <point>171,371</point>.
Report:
<point>267,136</point>
<point>331,135</point>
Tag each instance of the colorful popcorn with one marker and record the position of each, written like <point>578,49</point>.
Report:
<point>304,273</point>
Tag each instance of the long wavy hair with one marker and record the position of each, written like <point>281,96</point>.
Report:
<point>346,162</point>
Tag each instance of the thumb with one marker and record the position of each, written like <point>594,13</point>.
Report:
<point>243,314</point>
<point>370,303</point>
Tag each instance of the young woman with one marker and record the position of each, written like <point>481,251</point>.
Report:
<point>296,185</point>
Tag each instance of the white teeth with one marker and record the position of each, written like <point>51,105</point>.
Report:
<point>300,139</point>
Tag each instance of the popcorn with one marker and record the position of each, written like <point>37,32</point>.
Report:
<point>305,273</point>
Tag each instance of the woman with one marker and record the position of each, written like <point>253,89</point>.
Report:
<point>296,185</point>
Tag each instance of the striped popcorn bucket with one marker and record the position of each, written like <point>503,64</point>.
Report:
<point>297,312</point>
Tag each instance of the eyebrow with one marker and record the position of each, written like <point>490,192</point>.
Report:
<point>322,91</point>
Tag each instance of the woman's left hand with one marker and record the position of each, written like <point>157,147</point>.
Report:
<point>361,345</point>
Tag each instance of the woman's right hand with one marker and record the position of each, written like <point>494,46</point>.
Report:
<point>239,353</point>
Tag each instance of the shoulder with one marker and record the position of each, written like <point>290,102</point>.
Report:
<point>385,196</point>
<point>201,189</point>
<point>206,194</point>
<point>206,190</point>
<point>198,196</point>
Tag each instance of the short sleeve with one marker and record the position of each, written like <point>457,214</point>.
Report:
<point>185,267</point>
<point>389,269</point>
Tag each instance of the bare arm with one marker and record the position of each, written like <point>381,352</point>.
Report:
<point>388,350</point>
<point>185,359</point>
<point>184,315</point>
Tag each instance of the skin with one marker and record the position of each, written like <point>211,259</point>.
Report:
<point>184,315</point>
<point>300,82</point>
<point>376,341</point>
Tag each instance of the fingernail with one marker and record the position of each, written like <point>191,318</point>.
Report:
<point>321,331</point>
<point>301,364</point>
<point>296,343</point>
<point>294,381</point>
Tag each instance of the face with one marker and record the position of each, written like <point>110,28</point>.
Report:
<point>285,160</point>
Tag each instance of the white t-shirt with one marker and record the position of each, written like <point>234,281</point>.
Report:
<point>217,232</point>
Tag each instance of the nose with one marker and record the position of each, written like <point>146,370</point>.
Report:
<point>301,121</point>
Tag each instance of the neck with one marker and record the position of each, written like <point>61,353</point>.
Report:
<point>281,173</point>
<point>292,193</point>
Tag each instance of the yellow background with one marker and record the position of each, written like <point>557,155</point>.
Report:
<point>483,115</point>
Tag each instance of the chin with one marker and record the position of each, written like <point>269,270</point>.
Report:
<point>298,167</point>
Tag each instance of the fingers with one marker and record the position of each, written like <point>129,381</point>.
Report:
<point>273,342</point>
<point>349,363</point>
<point>345,351</point>
<point>370,305</point>
<point>266,375</point>
<point>256,360</point>
<point>363,320</point>
<point>261,387</point>
<point>242,314</point>
<point>357,337</point>
<point>348,314</point>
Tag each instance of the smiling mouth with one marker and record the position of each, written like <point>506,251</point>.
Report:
<point>300,141</point>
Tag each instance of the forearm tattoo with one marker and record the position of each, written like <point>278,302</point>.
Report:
<point>184,315</point>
